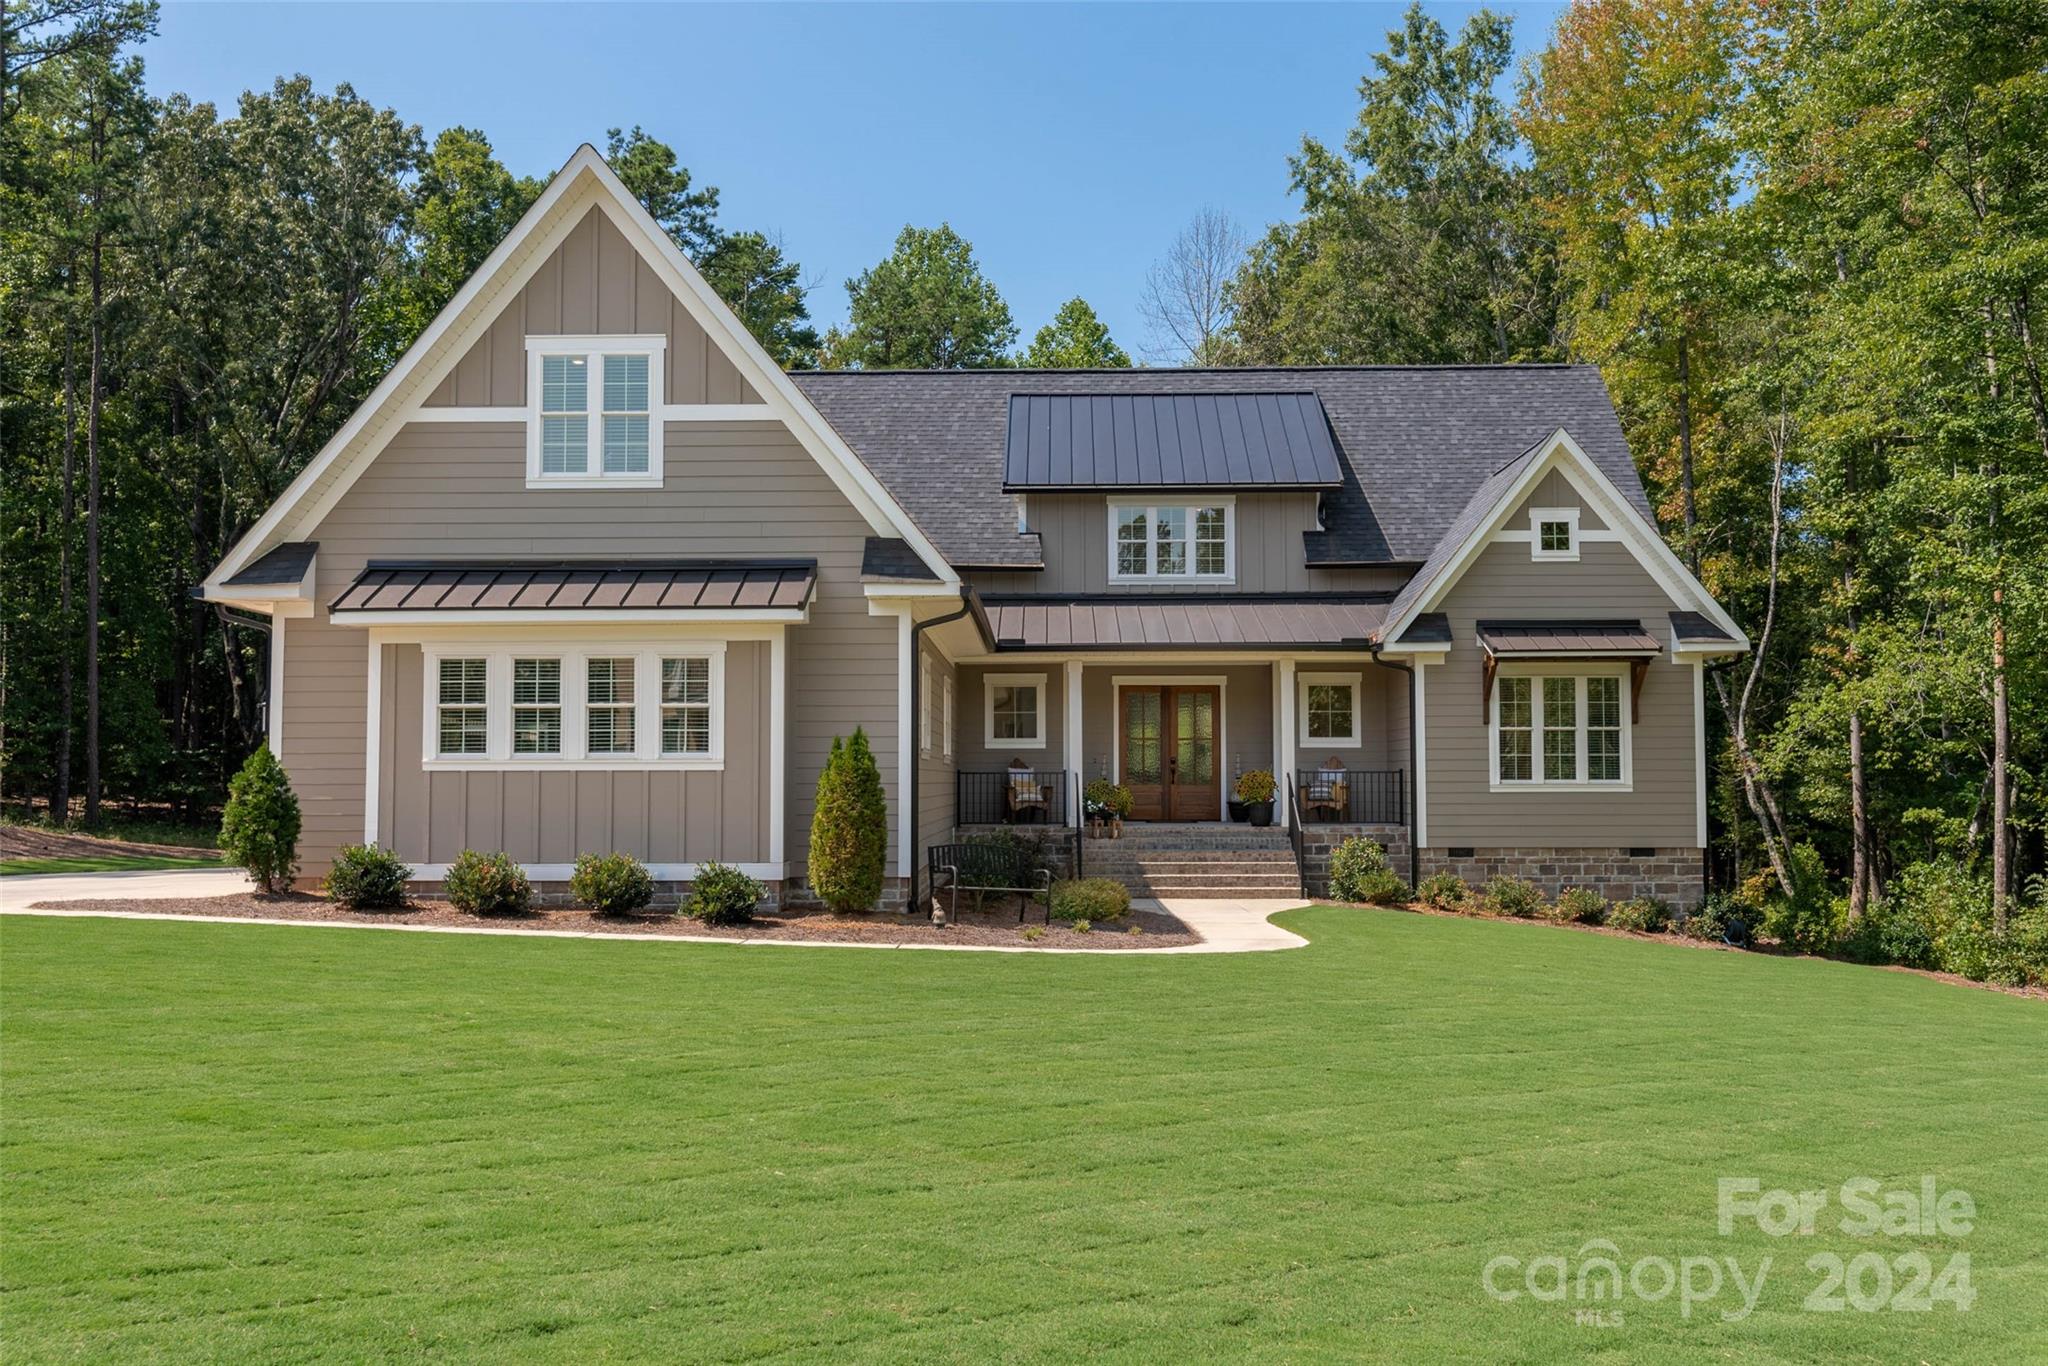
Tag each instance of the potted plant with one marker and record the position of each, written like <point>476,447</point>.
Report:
<point>1255,790</point>
<point>1097,800</point>
<point>1120,803</point>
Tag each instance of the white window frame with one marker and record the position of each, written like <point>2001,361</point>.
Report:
<point>1537,517</point>
<point>594,349</point>
<point>1151,508</point>
<point>989,684</point>
<point>575,754</point>
<point>1579,673</point>
<point>1355,682</point>
<point>946,735</point>
<point>925,703</point>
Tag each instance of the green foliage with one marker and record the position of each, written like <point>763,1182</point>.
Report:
<point>1379,887</point>
<point>1104,798</point>
<point>1812,918</point>
<point>1351,862</point>
<point>1643,914</point>
<point>1581,905</point>
<point>487,884</point>
<point>260,827</point>
<point>1082,900</point>
<point>366,877</point>
<point>1444,891</point>
<point>1081,927</point>
<point>723,895</point>
<point>1255,785</point>
<point>1711,919</point>
<point>611,884</point>
<point>1074,340</point>
<point>1511,896</point>
<point>926,306</point>
<point>849,828</point>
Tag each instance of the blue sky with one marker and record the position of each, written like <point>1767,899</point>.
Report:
<point>1068,143</point>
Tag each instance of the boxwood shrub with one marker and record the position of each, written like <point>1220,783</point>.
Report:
<point>365,877</point>
<point>723,895</point>
<point>611,884</point>
<point>1094,899</point>
<point>487,884</point>
<point>1352,863</point>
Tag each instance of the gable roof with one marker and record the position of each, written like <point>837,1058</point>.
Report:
<point>584,184</point>
<point>1413,443</point>
<point>1129,441</point>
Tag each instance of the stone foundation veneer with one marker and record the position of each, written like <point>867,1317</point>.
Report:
<point>1318,842</point>
<point>1674,876</point>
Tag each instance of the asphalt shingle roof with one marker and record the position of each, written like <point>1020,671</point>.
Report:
<point>1415,443</point>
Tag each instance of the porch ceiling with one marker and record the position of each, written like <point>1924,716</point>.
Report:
<point>1328,622</point>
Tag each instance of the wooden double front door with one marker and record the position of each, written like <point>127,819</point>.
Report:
<point>1167,737</point>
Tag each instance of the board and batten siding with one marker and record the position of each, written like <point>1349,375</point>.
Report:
<point>594,283</point>
<point>1606,582</point>
<point>1073,530</point>
<point>935,768</point>
<point>430,816</point>
<point>1247,739</point>
<point>458,490</point>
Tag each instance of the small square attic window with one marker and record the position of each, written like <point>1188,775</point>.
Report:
<point>1554,533</point>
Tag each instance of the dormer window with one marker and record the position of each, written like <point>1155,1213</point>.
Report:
<point>594,412</point>
<point>1554,533</point>
<point>1172,542</point>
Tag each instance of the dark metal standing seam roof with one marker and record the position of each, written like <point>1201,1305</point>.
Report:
<point>1568,637</point>
<point>567,585</point>
<point>1329,622</point>
<point>1124,441</point>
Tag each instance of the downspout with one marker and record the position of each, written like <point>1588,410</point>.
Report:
<point>1414,853</point>
<point>910,813</point>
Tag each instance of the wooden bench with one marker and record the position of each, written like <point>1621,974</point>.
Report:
<point>990,868</point>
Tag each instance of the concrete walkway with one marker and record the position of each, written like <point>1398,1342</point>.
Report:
<point>1225,926</point>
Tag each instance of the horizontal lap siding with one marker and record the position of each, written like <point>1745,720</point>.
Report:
<point>976,753</point>
<point>1606,582</point>
<point>1376,719</point>
<point>594,283</point>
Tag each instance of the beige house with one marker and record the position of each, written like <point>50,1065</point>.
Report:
<point>588,572</point>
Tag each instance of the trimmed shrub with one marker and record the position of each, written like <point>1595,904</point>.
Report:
<point>1580,905</point>
<point>723,895</point>
<point>1444,891</point>
<point>1381,888</point>
<point>487,884</point>
<point>1082,900</point>
<point>365,877</point>
<point>1512,896</point>
<point>611,884</point>
<point>1356,859</point>
<point>260,827</point>
<point>1643,914</point>
<point>850,828</point>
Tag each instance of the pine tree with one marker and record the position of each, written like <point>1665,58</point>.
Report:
<point>850,828</point>
<point>260,828</point>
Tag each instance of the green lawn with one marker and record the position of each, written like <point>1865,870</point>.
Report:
<point>243,1142</point>
<point>103,863</point>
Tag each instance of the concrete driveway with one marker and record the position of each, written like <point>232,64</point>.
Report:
<point>17,892</point>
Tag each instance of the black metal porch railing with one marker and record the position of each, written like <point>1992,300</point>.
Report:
<point>1012,796</point>
<point>1294,840</point>
<point>1352,797</point>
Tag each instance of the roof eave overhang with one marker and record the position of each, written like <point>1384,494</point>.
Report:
<point>575,616</point>
<point>1321,486</point>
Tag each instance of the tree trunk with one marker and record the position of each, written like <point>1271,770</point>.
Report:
<point>2001,787</point>
<point>60,794</point>
<point>92,534</point>
<point>1692,516</point>
<point>1860,874</point>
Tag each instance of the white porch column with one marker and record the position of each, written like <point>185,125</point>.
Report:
<point>778,746</point>
<point>373,734</point>
<point>1075,750</point>
<point>1283,747</point>
<point>1419,760</point>
<point>906,739</point>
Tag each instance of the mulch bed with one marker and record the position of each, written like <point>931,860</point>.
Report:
<point>27,841</point>
<point>1158,930</point>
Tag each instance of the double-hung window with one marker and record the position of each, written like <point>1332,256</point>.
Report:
<point>609,699</point>
<point>1173,542</point>
<point>536,706</point>
<point>595,411</point>
<point>463,707</point>
<point>1558,728</point>
<point>686,705</point>
<point>613,704</point>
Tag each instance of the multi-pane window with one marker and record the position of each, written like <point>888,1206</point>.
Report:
<point>1171,542</point>
<point>1554,533</point>
<point>1329,711</point>
<point>1560,729</point>
<point>947,734</point>
<point>609,698</point>
<point>1016,710</point>
<point>596,410</point>
<point>564,414</point>
<point>686,705</point>
<point>1554,537</point>
<point>464,714</point>
<point>625,414</point>
<point>1516,741</point>
<point>536,706</point>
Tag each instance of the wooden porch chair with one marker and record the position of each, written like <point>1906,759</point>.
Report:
<point>1026,797</point>
<point>1326,792</point>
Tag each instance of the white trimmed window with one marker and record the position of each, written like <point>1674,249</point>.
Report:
<point>947,733</point>
<point>1183,542</point>
<point>1548,728</point>
<point>1329,709</point>
<point>925,703</point>
<point>1554,533</point>
<point>616,704</point>
<point>594,412</point>
<point>1016,710</point>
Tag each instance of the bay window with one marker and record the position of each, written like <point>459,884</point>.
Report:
<point>594,406</point>
<point>1547,726</point>
<point>1171,541</point>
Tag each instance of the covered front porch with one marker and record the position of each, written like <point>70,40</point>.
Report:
<point>1033,731</point>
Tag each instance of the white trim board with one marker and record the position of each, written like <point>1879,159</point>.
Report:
<point>584,182</point>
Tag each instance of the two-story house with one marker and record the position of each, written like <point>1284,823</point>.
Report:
<point>587,572</point>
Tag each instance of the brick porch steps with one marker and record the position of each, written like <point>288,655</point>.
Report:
<point>1196,861</point>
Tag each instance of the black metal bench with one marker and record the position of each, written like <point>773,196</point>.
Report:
<point>990,868</point>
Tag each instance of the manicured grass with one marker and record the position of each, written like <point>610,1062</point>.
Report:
<point>240,1142</point>
<point>102,863</point>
